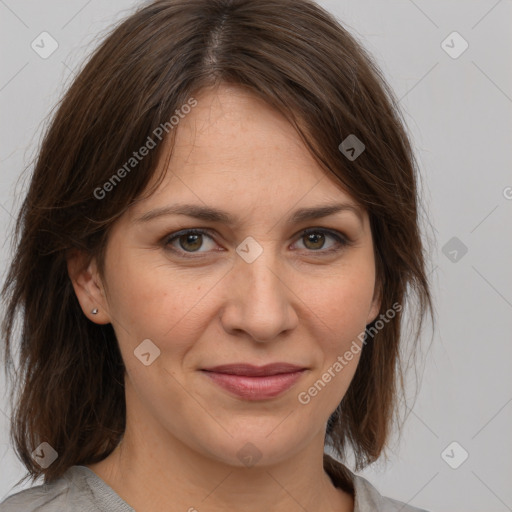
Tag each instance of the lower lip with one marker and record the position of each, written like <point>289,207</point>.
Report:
<point>255,388</point>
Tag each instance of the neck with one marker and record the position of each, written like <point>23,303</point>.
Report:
<point>149,479</point>
<point>159,471</point>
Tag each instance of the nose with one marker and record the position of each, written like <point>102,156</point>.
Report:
<point>258,300</point>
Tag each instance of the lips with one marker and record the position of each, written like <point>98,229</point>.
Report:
<point>255,382</point>
<point>250,370</point>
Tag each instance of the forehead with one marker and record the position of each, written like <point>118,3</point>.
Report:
<point>231,129</point>
<point>234,149</point>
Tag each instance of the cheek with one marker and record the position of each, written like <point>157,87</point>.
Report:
<point>341,302</point>
<point>153,301</point>
<point>338,321</point>
<point>339,317</point>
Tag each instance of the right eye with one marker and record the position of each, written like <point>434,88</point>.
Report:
<point>189,241</point>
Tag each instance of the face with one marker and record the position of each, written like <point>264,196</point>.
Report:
<point>251,287</point>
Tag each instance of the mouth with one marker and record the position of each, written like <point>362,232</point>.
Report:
<point>251,382</point>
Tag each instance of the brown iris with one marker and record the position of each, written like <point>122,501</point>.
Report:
<point>194,241</point>
<point>317,239</point>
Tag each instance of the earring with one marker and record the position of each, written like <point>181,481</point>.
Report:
<point>94,311</point>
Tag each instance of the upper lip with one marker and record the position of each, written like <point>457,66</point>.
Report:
<point>255,371</point>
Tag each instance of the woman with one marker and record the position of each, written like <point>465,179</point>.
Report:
<point>213,261</point>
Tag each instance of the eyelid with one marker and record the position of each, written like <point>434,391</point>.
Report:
<point>342,240</point>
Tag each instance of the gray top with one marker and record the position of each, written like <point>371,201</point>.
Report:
<point>81,490</point>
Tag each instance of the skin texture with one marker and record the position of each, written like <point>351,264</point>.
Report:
<point>294,303</point>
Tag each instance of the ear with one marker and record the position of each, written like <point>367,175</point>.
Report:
<point>376,303</point>
<point>89,290</point>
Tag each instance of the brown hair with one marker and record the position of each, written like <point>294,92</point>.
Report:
<point>300,60</point>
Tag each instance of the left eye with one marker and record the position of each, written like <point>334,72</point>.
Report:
<point>316,237</point>
<point>191,240</point>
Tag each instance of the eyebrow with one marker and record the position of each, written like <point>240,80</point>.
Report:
<point>206,213</point>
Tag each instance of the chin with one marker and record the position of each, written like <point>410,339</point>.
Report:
<point>260,445</point>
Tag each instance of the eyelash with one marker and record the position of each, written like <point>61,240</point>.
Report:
<point>340,239</point>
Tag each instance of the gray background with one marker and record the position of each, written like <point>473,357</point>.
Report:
<point>458,111</point>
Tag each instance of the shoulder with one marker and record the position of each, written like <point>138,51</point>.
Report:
<point>368,498</point>
<point>44,497</point>
<point>79,490</point>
